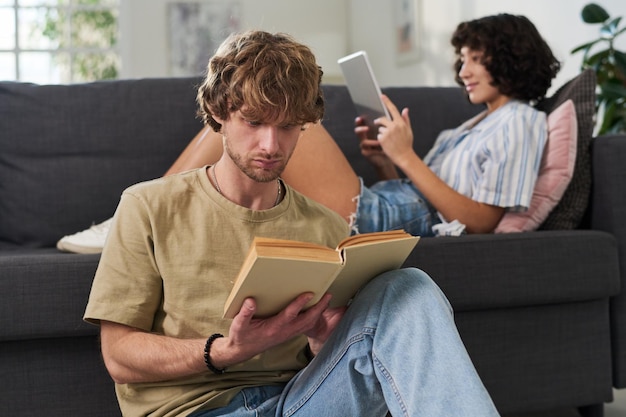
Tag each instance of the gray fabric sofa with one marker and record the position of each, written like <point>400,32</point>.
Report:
<point>541,313</point>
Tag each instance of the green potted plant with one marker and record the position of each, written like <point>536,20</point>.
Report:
<point>609,65</point>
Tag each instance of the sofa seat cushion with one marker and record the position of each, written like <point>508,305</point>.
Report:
<point>481,272</point>
<point>44,293</point>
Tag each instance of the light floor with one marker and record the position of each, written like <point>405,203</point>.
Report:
<point>615,409</point>
<point>618,407</point>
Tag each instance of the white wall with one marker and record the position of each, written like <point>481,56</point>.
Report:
<point>557,20</point>
<point>336,27</point>
<point>321,24</point>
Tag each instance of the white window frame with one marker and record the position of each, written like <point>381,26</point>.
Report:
<point>68,6</point>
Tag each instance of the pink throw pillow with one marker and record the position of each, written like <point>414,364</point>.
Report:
<point>555,173</point>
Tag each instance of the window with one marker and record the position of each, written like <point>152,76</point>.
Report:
<point>58,41</point>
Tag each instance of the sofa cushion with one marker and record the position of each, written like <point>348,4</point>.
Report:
<point>570,211</point>
<point>68,151</point>
<point>44,293</point>
<point>478,272</point>
<point>555,172</point>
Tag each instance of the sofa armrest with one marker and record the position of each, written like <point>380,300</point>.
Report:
<point>608,205</point>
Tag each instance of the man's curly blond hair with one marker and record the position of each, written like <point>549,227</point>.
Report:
<point>269,77</point>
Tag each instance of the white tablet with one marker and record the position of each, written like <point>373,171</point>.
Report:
<point>363,87</point>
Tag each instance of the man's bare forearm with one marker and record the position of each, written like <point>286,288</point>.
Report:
<point>132,355</point>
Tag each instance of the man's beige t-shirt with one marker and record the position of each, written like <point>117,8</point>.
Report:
<point>174,248</point>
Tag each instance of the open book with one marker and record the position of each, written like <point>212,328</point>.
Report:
<point>276,271</point>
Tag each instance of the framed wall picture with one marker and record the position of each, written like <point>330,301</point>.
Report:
<point>196,29</point>
<point>406,30</point>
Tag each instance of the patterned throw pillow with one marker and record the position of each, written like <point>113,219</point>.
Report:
<point>569,213</point>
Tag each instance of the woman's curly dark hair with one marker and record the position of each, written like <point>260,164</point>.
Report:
<point>517,57</point>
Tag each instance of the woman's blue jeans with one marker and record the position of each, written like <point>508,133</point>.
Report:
<point>394,205</point>
<point>397,349</point>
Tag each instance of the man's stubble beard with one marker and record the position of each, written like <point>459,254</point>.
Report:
<point>256,174</point>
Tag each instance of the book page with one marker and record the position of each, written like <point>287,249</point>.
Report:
<point>294,249</point>
<point>364,262</point>
<point>365,238</point>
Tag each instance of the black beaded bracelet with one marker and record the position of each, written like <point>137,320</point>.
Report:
<point>207,354</point>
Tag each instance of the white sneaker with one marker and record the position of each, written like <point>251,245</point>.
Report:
<point>88,241</point>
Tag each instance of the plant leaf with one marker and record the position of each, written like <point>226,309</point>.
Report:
<point>598,57</point>
<point>593,13</point>
<point>608,30</point>
<point>607,118</point>
<point>613,90</point>
<point>620,62</point>
<point>606,33</point>
<point>613,25</point>
<point>585,46</point>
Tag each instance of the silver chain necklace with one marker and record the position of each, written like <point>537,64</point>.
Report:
<point>219,190</point>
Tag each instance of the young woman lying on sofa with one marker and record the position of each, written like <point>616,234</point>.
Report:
<point>471,176</point>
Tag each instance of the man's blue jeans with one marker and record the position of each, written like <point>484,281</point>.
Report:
<point>397,349</point>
